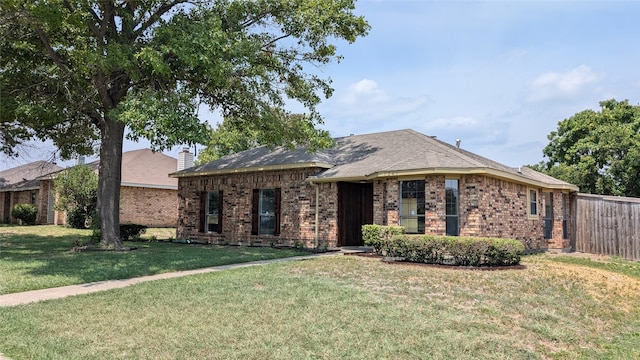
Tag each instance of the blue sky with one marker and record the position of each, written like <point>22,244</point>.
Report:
<point>498,75</point>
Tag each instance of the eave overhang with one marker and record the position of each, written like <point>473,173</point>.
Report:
<point>252,169</point>
<point>447,171</point>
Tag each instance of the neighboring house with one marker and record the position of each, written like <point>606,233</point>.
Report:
<point>279,196</point>
<point>19,185</point>
<point>147,195</point>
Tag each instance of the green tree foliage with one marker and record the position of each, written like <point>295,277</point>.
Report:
<point>599,151</point>
<point>80,72</point>
<point>235,135</point>
<point>77,193</point>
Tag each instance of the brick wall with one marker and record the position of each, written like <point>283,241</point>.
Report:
<point>148,206</point>
<point>488,207</point>
<point>558,242</point>
<point>43,201</point>
<point>15,197</point>
<point>145,206</point>
<point>392,199</point>
<point>297,215</point>
<point>498,208</point>
<point>434,205</point>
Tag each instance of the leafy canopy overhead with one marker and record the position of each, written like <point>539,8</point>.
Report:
<point>81,72</point>
<point>599,151</point>
<point>68,65</point>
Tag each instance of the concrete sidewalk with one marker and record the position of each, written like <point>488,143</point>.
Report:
<point>60,292</point>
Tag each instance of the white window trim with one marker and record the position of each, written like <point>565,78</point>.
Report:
<point>535,216</point>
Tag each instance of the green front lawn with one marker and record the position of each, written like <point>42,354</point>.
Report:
<point>343,307</point>
<point>37,257</point>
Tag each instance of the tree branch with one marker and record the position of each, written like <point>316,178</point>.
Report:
<point>273,41</point>
<point>154,17</point>
<point>52,53</point>
<point>94,29</point>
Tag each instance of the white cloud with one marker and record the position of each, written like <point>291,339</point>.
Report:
<point>456,122</point>
<point>553,84</point>
<point>364,86</point>
<point>366,101</point>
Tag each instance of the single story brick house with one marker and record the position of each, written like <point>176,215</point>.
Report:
<point>147,195</point>
<point>21,185</point>
<point>292,197</point>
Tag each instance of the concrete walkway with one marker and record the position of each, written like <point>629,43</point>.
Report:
<point>60,292</point>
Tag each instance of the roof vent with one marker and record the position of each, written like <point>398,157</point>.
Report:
<point>458,143</point>
<point>519,169</point>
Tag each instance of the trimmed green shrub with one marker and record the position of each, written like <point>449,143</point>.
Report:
<point>81,217</point>
<point>453,250</point>
<point>25,212</point>
<point>374,234</point>
<point>131,232</point>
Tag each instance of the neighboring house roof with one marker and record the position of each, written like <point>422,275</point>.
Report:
<point>145,168</point>
<point>142,168</point>
<point>25,177</point>
<point>378,155</point>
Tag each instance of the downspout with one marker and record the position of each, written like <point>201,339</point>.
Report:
<point>317,210</point>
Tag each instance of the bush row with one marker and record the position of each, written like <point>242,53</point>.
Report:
<point>446,250</point>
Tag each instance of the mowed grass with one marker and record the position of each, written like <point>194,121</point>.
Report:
<point>37,257</point>
<point>344,307</point>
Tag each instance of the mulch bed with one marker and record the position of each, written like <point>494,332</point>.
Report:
<point>452,267</point>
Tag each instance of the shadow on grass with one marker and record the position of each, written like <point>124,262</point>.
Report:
<point>33,259</point>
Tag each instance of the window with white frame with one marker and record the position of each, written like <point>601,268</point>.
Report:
<point>533,202</point>
<point>412,206</point>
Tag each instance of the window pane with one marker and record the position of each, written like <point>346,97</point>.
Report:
<point>452,226</point>
<point>212,211</point>
<point>212,203</point>
<point>533,205</point>
<point>212,223</point>
<point>267,201</point>
<point>420,229</point>
<point>451,197</point>
<point>267,224</point>
<point>412,206</point>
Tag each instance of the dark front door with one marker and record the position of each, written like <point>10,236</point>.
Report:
<point>355,208</point>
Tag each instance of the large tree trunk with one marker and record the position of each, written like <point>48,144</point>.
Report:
<point>109,179</point>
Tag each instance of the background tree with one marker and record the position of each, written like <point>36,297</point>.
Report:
<point>76,191</point>
<point>80,72</point>
<point>599,151</point>
<point>235,135</point>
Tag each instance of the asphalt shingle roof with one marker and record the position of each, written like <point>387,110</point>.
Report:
<point>140,168</point>
<point>364,157</point>
<point>24,176</point>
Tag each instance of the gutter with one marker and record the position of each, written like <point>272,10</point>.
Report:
<point>518,178</point>
<point>180,174</point>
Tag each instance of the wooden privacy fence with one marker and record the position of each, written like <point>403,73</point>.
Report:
<point>608,225</point>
